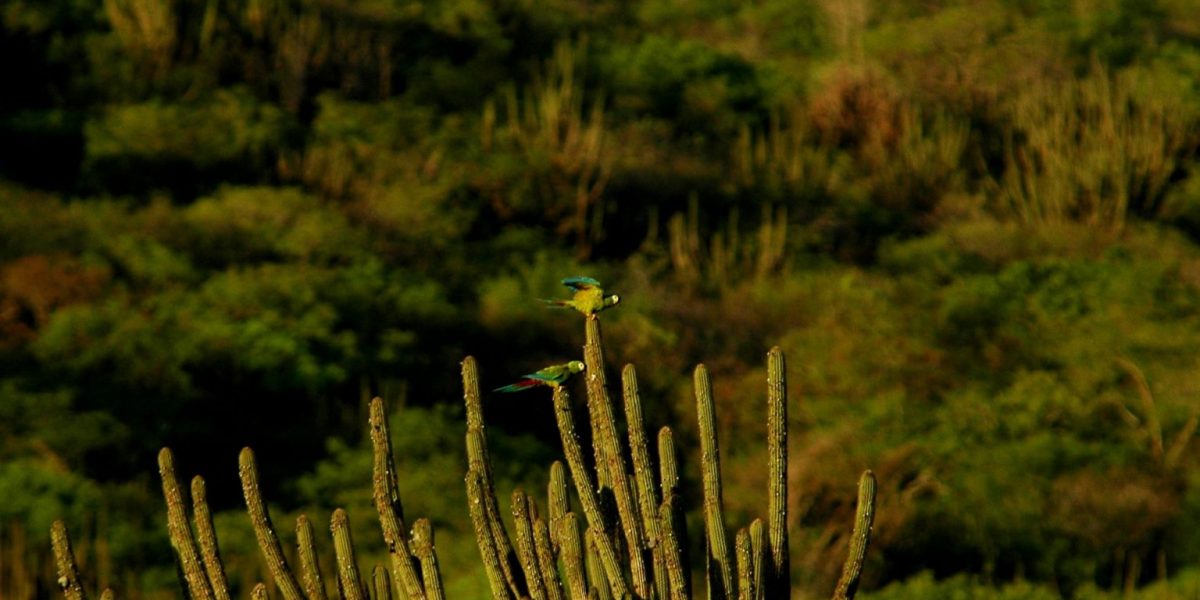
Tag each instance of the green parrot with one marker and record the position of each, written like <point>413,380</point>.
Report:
<point>552,376</point>
<point>589,297</point>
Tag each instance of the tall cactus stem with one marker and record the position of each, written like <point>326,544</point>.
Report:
<point>710,465</point>
<point>545,557</point>
<point>643,472</point>
<point>758,556</point>
<point>476,503</point>
<point>381,583</point>
<point>571,551</point>
<point>602,413</point>
<point>423,547</point>
<point>310,568</point>
<point>387,502</point>
<point>679,582</point>
<point>668,468</point>
<point>206,536</point>
<point>595,567</point>
<point>864,518</point>
<point>778,577</point>
<point>526,552</point>
<point>64,559</point>
<point>349,581</point>
<point>107,594</point>
<point>586,493</point>
<point>745,565</point>
<point>181,532</point>
<point>264,532</point>
<point>477,458</point>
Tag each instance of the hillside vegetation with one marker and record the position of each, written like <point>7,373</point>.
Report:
<point>972,228</point>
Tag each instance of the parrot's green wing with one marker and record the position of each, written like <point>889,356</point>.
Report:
<point>581,283</point>
<point>554,374</point>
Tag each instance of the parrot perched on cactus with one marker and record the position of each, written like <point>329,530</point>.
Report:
<point>589,297</point>
<point>551,376</point>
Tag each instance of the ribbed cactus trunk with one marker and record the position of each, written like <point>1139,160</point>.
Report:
<point>778,577</point>
<point>718,562</point>
<point>864,519</point>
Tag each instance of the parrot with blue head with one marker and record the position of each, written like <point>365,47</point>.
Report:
<point>552,376</point>
<point>589,297</point>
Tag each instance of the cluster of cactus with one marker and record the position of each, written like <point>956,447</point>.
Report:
<point>630,543</point>
<point>414,569</point>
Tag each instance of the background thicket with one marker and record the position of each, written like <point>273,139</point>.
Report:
<point>971,226</point>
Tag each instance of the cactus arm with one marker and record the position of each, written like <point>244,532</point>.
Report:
<point>349,581</point>
<point>745,565</point>
<point>602,413</point>
<point>757,557</point>
<point>387,503</point>
<point>571,550</point>
<point>381,583</point>
<point>180,531</point>
<point>864,518</point>
<point>586,492</point>
<point>310,569</point>
<point>259,592</point>
<point>422,544</point>
<point>710,464</point>
<point>478,459</point>
<point>64,558</point>
<point>526,553</point>
<point>206,536</point>
<point>264,532</point>
<point>545,557</point>
<point>558,501</point>
<point>476,502</point>
<point>107,594</point>
<point>779,574</point>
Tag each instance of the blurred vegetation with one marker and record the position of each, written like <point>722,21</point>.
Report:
<point>972,227</point>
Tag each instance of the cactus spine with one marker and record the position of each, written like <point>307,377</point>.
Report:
<point>864,518</point>
<point>180,532</point>
<point>778,577</point>
<point>206,535</point>
<point>720,581</point>
<point>264,532</point>
<point>310,569</point>
<point>387,503</point>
